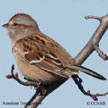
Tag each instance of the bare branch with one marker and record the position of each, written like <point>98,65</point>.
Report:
<point>36,99</point>
<point>41,94</point>
<point>94,96</point>
<point>93,17</point>
<point>95,39</point>
<point>28,83</point>
<point>100,53</point>
<point>78,81</point>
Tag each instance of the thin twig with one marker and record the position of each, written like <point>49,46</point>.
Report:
<point>93,17</point>
<point>27,83</point>
<point>78,81</point>
<point>100,53</point>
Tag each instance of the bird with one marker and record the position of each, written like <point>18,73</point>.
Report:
<point>39,57</point>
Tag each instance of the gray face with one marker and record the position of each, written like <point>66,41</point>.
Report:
<point>21,25</point>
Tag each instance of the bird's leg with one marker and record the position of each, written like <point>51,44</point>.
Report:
<point>78,81</point>
<point>15,76</point>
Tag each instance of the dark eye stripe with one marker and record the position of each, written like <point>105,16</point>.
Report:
<point>25,26</point>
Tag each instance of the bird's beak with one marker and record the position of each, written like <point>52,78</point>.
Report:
<point>6,26</point>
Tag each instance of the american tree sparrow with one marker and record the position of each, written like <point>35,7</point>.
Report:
<point>39,57</point>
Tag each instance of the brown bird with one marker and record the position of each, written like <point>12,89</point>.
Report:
<point>39,57</point>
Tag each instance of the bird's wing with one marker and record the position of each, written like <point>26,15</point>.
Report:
<point>37,52</point>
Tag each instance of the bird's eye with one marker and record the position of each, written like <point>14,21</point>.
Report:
<point>15,24</point>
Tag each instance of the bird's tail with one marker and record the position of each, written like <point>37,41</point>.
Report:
<point>88,71</point>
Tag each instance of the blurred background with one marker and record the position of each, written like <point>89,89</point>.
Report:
<point>62,20</point>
